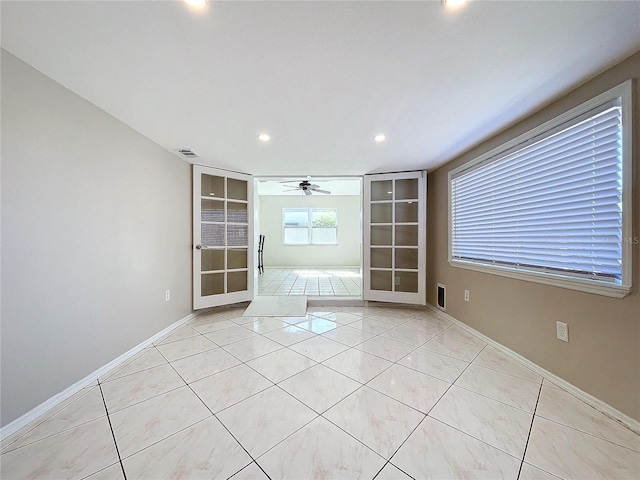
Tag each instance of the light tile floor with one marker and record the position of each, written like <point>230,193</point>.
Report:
<point>311,281</point>
<point>352,392</point>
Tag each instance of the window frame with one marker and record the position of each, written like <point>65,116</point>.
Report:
<point>623,91</point>
<point>309,227</point>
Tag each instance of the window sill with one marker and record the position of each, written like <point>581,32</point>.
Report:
<point>587,286</point>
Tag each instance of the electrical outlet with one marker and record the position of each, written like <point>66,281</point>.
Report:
<point>562,331</point>
<point>167,295</point>
<point>397,280</point>
<point>466,295</point>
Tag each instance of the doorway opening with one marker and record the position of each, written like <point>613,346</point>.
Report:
<point>312,228</point>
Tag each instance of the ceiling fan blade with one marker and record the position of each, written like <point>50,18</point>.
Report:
<point>321,191</point>
<point>307,191</point>
<point>292,186</point>
<point>313,187</point>
<point>292,190</point>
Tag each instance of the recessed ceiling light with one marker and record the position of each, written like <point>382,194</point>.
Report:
<point>379,138</point>
<point>196,3</point>
<point>454,3</point>
<point>263,137</point>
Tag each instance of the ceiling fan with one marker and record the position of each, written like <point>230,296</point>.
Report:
<point>307,187</point>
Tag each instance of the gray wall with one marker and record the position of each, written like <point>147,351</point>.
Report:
<point>346,253</point>
<point>95,227</point>
<point>603,354</point>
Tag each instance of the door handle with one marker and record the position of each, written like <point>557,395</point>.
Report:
<point>198,247</point>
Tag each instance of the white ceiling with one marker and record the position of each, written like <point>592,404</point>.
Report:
<point>337,186</point>
<point>320,77</point>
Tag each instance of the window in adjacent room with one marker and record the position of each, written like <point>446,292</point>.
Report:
<point>310,226</point>
<point>553,205</point>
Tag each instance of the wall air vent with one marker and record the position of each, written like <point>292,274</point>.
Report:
<point>442,297</point>
<point>187,153</point>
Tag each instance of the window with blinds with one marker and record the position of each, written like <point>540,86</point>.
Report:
<point>309,226</point>
<point>550,204</point>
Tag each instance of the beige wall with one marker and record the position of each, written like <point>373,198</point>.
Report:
<point>96,225</point>
<point>346,253</point>
<point>603,354</point>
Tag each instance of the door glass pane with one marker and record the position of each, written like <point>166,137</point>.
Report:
<point>236,281</point>
<point>237,235</point>
<point>212,284</point>
<point>381,213</point>
<point>212,260</point>
<point>212,235</point>
<point>407,235</point>
<point>407,258</point>
<point>407,189</point>
<point>236,212</point>
<point>381,235</point>
<point>406,212</point>
<point>381,280</point>
<point>212,210</point>
<point>407,282</point>
<point>381,257</point>
<point>236,259</point>
<point>382,190</point>
<point>212,186</point>
<point>237,189</point>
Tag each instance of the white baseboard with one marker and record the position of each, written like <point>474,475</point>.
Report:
<point>589,399</point>
<point>52,402</point>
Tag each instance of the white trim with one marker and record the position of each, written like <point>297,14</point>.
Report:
<point>546,278</point>
<point>52,402</point>
<point>589,399</point>
<point>623,91</point>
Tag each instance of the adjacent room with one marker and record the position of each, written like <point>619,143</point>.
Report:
<point>311,236</point>
<point>315,240</point>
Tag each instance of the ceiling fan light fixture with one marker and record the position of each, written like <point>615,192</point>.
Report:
<point>379,138</point>
<point>264,137</point>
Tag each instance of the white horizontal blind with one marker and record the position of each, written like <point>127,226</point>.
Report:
<point>553,205</point>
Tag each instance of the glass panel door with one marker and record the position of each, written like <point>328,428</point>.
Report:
<point>395,238</point>
<point>222,259</point>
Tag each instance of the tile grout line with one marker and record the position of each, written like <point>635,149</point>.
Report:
<point>220,421</point>
<point>533,417</point>
<point>113,435</point>
<point>318,415</point>
<point>317,363</point>
<point>557,422</point>
<point>362,385</point>
<point>321,415</point>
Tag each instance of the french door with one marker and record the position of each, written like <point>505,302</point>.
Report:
<point>222,236</point>
<point>394,267</point>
